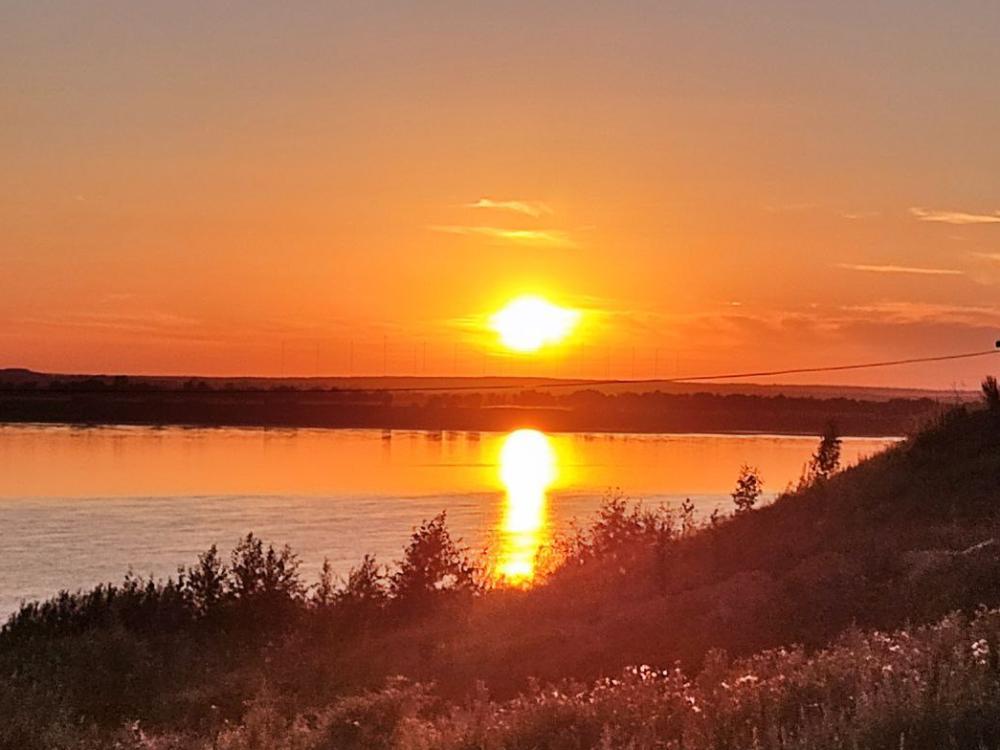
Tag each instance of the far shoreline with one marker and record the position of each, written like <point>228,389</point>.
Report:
<point>27,397</point>
<point>431,431</point>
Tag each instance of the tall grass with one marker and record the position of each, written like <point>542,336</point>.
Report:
<point>930,687</point>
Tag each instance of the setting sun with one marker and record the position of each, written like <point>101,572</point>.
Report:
<point>528,323</point>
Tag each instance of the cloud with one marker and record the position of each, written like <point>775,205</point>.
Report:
<point>550,237</point>
<point>988,256</point>
<point>926,312</point>
<point>955,217</point>
<point>535,209</point>
<point>901,269</point>
<point>152,323</point>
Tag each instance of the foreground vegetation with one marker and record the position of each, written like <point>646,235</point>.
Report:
<point>241,653</point>
<point>932,687</point>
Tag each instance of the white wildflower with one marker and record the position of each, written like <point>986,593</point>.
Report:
<point>980,651</point>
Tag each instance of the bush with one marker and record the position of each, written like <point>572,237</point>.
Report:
<point>749,486</point>
<point>432,564</point>
<point>991,393</point>
<point>254,572</point>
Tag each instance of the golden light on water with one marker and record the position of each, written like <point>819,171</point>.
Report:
<point>527,469</point>
<point>528,323</point>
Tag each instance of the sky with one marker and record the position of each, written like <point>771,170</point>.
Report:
<point>354,188</point>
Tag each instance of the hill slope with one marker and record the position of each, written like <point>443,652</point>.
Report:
<point>906,536</point>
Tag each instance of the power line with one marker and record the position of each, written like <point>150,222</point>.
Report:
<point>702,378</point>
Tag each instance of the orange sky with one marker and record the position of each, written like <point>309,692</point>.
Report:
<point>198,190</point>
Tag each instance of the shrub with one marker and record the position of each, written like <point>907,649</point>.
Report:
<point>749,486</point>
<point>826,459</point>
<point>365,590</point>
<point>991,393</point>
<point>432,563</point>
<point>256,572</point>
<point>206,583</point>
<point>324,593</point>
<point>619,529</point>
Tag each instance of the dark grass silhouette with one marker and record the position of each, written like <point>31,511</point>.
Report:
<point>241,652</point>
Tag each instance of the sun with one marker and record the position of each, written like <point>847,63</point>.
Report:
<point>528,323</point>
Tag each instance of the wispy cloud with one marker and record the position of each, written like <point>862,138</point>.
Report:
<point>145,322</point>
<point>535,209</point>
<point>923,312</point>
<point>901,269</point>
<point>988,256</point>
<point>550,237</point>
<point>955,217</point>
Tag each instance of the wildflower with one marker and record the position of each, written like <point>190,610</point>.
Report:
<point>980,650</point>
<point>693,703</point>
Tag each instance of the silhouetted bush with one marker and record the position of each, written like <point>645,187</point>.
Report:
<point>991,393</point>
<point>618,528</point>
<point>366,586</point>
<point>749,486</point>
<point>432,564</point>
<point>206,583</point>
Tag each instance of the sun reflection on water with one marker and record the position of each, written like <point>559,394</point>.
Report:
<point>527,469</point>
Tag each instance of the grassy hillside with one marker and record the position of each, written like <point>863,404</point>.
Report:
<point>906,536</point>
<point>239,646</point>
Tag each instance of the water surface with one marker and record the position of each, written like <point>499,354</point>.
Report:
<point>83,505</point>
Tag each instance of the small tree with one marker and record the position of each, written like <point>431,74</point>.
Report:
<point>749,486</point>
<point>323,591</point>
<point>256,571</point>
<point>365,587</point>
<point>991,393</point>
<point>826,460</point>
<point>206,583</point>
<point>432,563</point>
<point>246,564</point>
<point>688,522</point>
